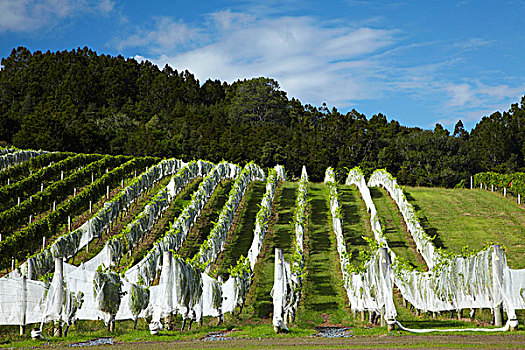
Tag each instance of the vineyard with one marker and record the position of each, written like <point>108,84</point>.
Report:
<point>165,244</point>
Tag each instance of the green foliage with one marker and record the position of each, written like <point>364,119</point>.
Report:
<point>241,269</point>
<point>84,102</point>
<point>107,288</point>
<point>21,242</point>
<point>139,298</point>
<point>24,169</point>
<point>514,182</point>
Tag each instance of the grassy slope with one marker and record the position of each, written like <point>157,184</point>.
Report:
<point>399,240</point>
<point>463,217</point>
<point>356,221</point>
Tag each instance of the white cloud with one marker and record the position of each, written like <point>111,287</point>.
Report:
<point>313,62</point>
<point>226,20</point>
<point>106,7</point>
<point>460,94</point>
<point>333,62</point>
<point>32,15</point>
<point>166,36</point>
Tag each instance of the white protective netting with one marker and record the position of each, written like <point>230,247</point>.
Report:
<point>214,244</point>
<point>483,280</point>
<point>80,279</point>
<point>371,289</point>
<point>261,220</point>
<point>184,289</point>
<point>423,241</point>
<point>4,151</point>
<point>149,266</point>
<point>13,158</point>
<point>288,277</point>
<point>69,244</point>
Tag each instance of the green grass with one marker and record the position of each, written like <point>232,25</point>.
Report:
<point>283,229</point>
<point>398,238</point>
<point>461,217</point>
<point>356,220</point>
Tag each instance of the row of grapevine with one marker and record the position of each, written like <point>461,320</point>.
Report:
<point>107,285</point>
<point>106,304</point>
<point>32,183</point>
<point>178,278</point>
<point>70,243</point>
<point>483,280</point>
<point>185,289</point>
<point>131,235</point>
<point>13,158</point>
<point>40,302</point>
<point>58,191</point>
<point>514,182</point>
<point>24,169</point>
<point>214,244</point>
<point>173,239</point>
<point>4,151</point>
<point>369,287</point>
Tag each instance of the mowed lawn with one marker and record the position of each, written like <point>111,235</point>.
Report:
<point>461,217</point>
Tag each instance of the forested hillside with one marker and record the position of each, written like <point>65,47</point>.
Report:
<point>84,102</point>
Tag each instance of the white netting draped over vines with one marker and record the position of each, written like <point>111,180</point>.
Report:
<point>81,278</point>
<point>214,244</point>
<point>149,266</point>
<point>483,280</point>
<point>69,244</point>
<point>4,151</point>
<point>8,159</point>
<point>288,277</point>
<point>423,241</point>
<point>92,291</point>
<point>370,289</point>
<point>185,289</point>
<point>261,220</point>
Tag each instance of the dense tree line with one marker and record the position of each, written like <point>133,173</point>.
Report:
<point>84,102</point>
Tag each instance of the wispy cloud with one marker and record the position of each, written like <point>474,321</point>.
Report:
<point>342,64</point>
<point>165,35</point>
<point>32,15</point>
<point>313,62</point>
<point>470,101</point>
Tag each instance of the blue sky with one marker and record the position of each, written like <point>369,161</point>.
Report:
<point>418,62</point>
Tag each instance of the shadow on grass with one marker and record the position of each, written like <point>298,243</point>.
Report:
<point>321,292</point>
<point>426,324</point>
<point>348,201</point>
<point>283,230</point>
<point>431,231</point>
